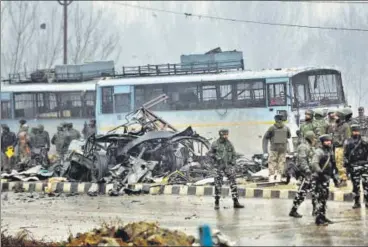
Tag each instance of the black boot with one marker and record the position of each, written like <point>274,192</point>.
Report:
<point>237,204</point>
<point>294,213</point>
<point>356,203</point>
<point>328,221</point>
<point>217,203</point>
<point>320,221</point>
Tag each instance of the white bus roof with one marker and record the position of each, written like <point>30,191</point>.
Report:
<point>49,87</point>
<point>238,75</point>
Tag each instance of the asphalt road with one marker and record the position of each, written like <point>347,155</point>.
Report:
<point>261,222</point>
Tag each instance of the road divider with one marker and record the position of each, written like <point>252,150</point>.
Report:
<point>257,191</point>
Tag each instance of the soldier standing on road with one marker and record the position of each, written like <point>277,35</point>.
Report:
<point>341,134</point>
<point>304,157</point>
<point>278,134</point>
<point>223,153</point>
<point>8,140</point>
<point>45,136</point>
<point>90,129</point>
<point>74,134</point>
<point>309,124</point>
<point>322,170</point>
<point>362,120</point>
<point>356,157</point>
<point>348,115</point>
<point>58,141</point>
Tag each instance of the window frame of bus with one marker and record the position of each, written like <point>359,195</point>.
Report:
<point>110,107</point>
<point>58,96</point>
<point>273,84</point>
<point>200,89</point>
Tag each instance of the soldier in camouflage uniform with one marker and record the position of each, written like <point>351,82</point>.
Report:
<point>58,141</point>
<point>278,134</point>
<point>223,153</point>
<point>89,129</point>
<point>341,134</point>
<point>356,158</point>
<point>331,119</point>
<point>322,170</point>
<point>348,115</point>
<point>362,120</point>
<point>320,122</point>
<point>45,136</point>
<point>309,124</point>
<point>304,157</point>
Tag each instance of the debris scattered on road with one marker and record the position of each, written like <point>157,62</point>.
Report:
<point>133,234</point>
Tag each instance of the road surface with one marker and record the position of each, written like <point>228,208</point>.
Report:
<point>261,222</point>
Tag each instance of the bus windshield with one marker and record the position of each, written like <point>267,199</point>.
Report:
<point>317,88</point>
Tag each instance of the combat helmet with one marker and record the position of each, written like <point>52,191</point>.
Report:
<point>355,127</point>
<point>347,112</point>
<point>279,117</point>
<point>309,112</point>
<point>326,137</point>
<point>361,108</point>
<point>340,114</point>
<point>309,135</point>
<point>329,111</point>
<point>318,113</point>
<point>223,132</point>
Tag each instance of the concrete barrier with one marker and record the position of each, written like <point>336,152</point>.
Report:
<point>153,189</point>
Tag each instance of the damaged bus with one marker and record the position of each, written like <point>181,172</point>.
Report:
<point>245,102</point>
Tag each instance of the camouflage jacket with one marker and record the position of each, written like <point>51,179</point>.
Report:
<point>322,126</point>
<point>58,141</point>
<point>304,157</point>
<point>223,153</point>
<point>308,126</point>
<point>322,162</point>
<point>363,122</point>
<point>331,125</point>
<point>341,134</point>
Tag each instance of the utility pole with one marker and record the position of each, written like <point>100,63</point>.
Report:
<point>65,4</point>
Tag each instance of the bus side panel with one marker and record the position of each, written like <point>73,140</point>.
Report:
<point>247,126</point>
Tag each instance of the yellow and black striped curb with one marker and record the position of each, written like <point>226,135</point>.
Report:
<point>82,188</point>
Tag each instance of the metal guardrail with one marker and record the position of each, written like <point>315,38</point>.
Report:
<point>44,76</point>
<point>182,68</point>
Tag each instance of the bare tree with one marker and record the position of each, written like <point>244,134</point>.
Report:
<point>91,38</point>
<point>22,29</point>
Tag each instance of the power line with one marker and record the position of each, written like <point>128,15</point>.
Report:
<point>238,20</point>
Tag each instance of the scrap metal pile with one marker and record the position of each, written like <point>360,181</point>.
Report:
<point>144,149</point>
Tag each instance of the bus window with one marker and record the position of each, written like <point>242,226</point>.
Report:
<point>183,96</point>
<point>107,100</point>
<point>276,94</point>
<point>47,106</point>
<point>250,94</point>
<point>122,102</point>
<point>71,104</point>
<point>25,105</point>
<point>89,104</point>
<point>5,109</point>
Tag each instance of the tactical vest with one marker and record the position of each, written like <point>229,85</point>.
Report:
<point>280,135</point>
<point>322,162</point>
<point>39,141</point>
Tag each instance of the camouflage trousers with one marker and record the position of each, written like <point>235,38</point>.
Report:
<point>276,162</point>
<point>308,185</point>
<point>339,158</point>
<point>360,172</point>
<point>229,172</point>
<point>322,191</point>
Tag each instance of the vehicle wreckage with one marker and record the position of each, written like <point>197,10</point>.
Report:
<point>148,149</point>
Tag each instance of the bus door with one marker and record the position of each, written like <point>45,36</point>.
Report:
<point>278,96</point>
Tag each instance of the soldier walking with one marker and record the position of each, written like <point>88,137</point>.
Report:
<point>58,141</point>
<point>322,170</point>
<point>362,120</point>
<point>340,135</point>
<point>223,153</point>
<point>320,122</point>
<point>278,134</point>
<point>304,157</point>
<point>331,119</point>
<point>356,156</point>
